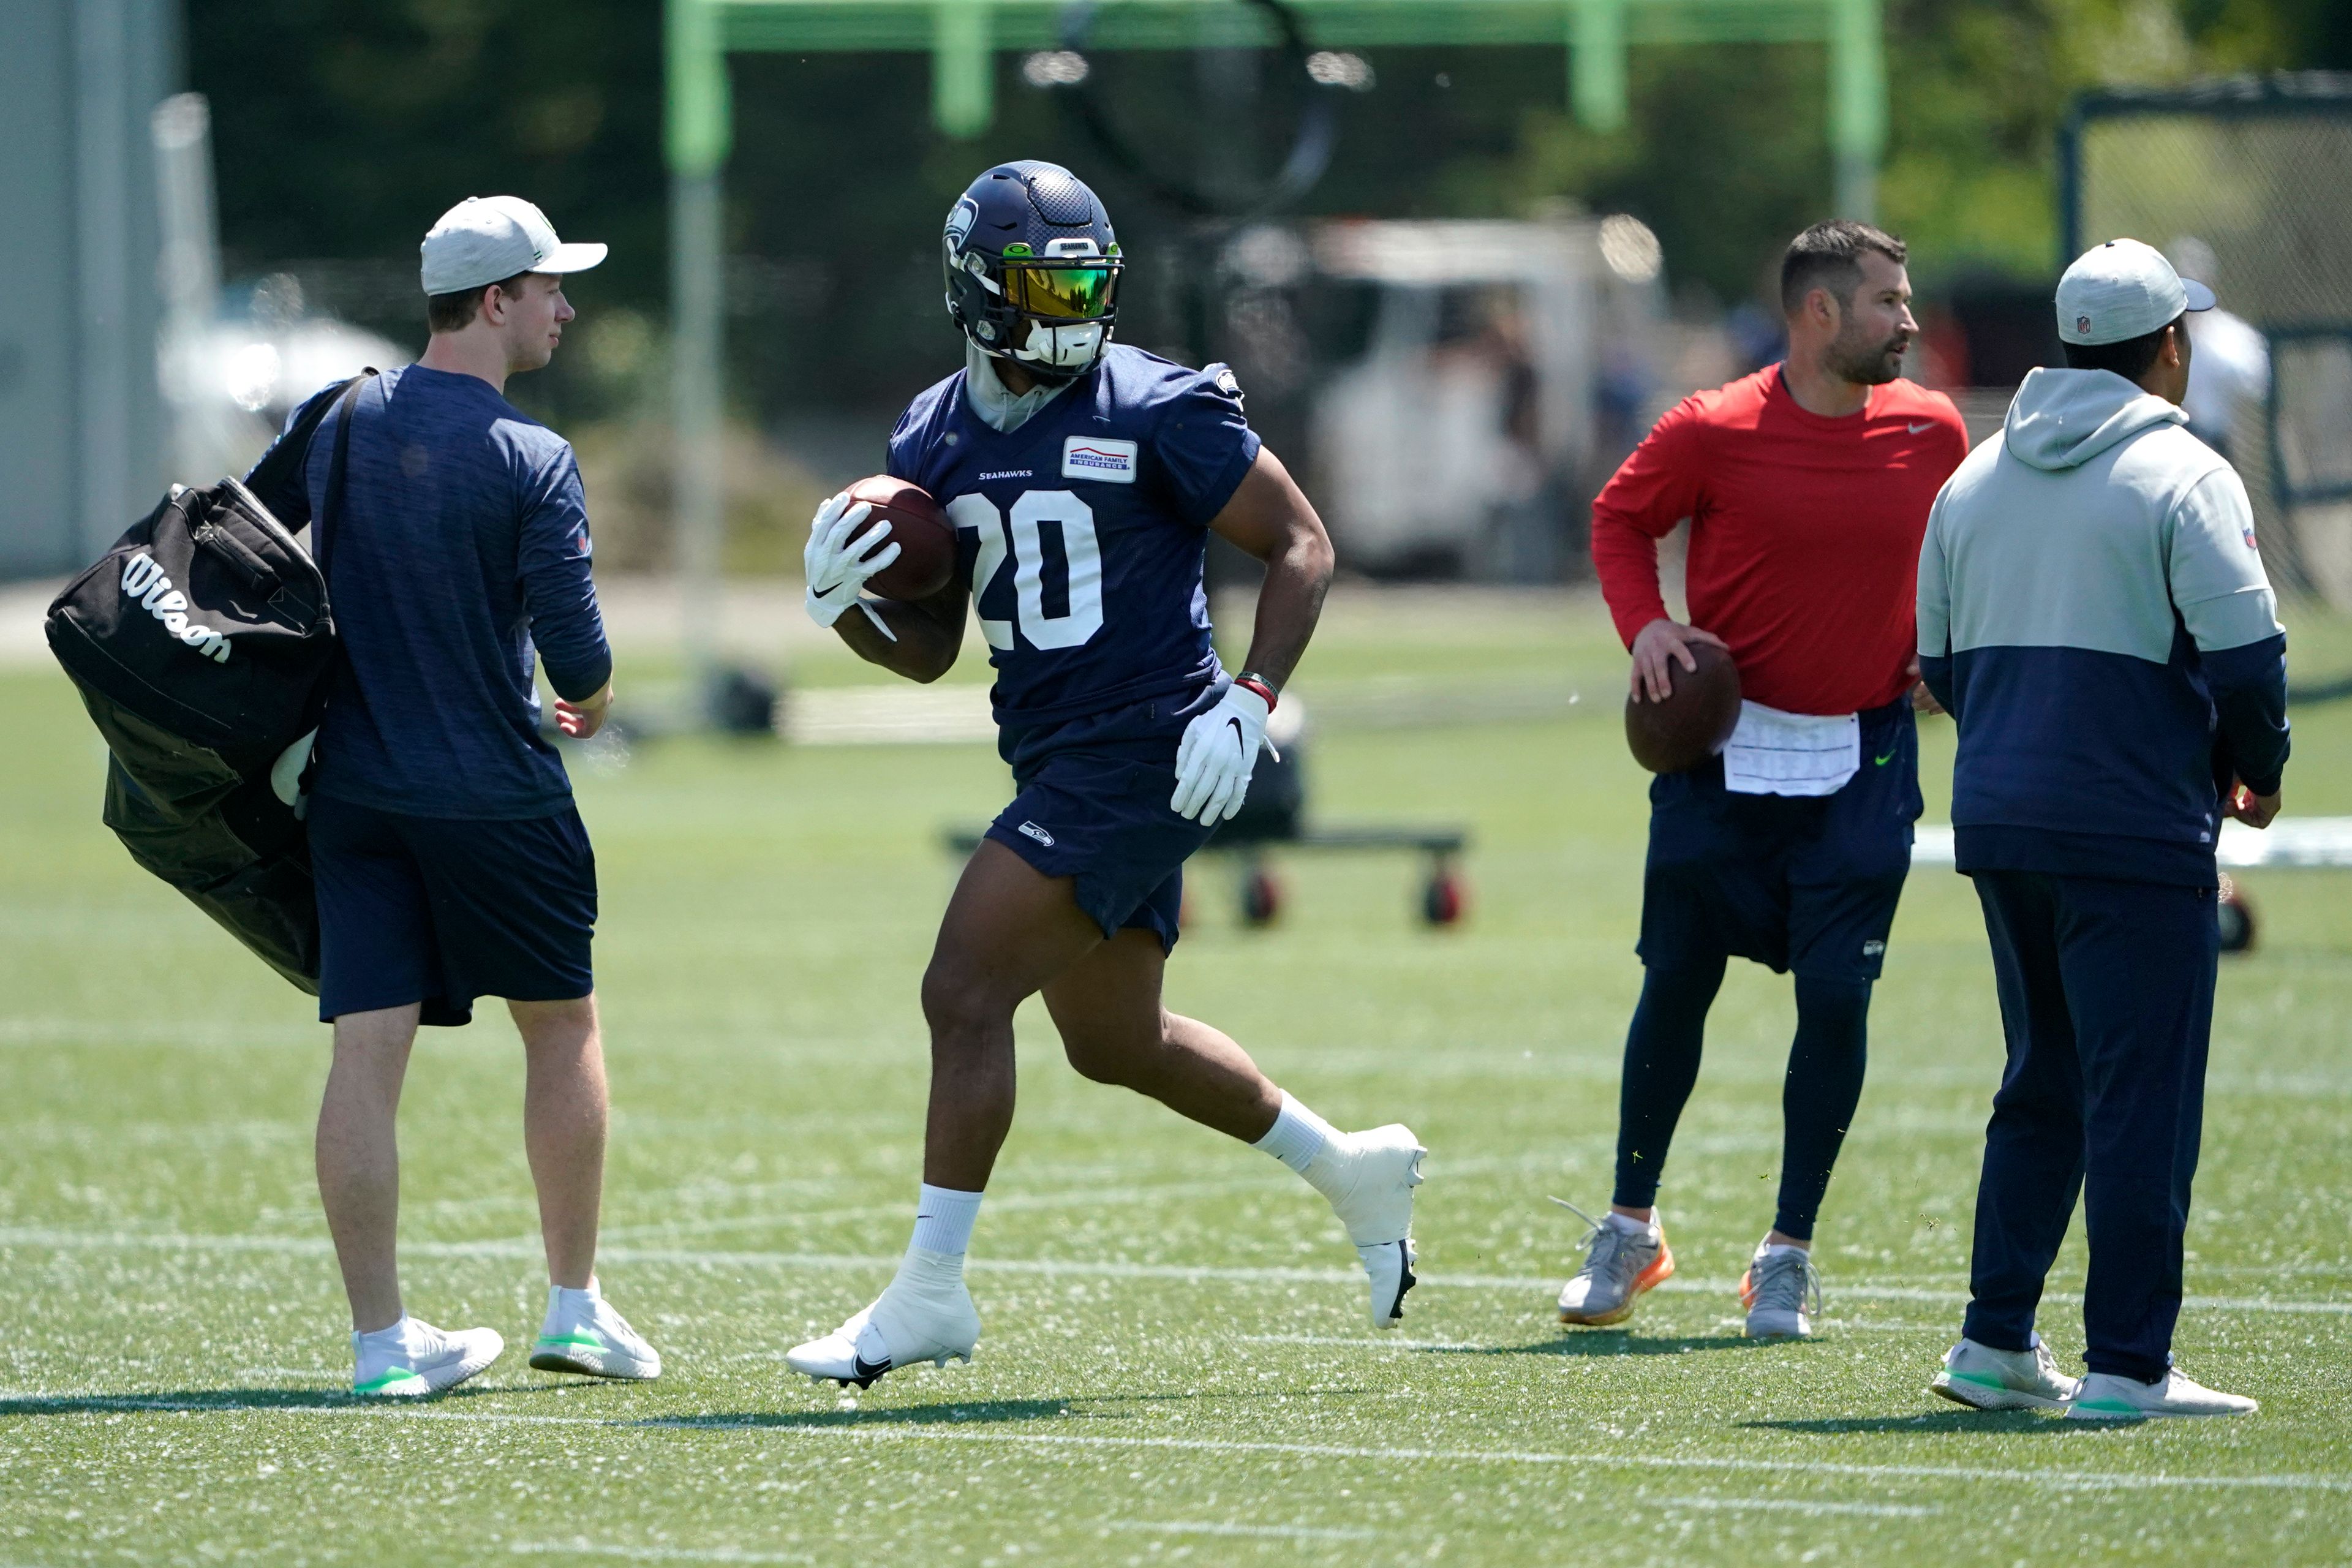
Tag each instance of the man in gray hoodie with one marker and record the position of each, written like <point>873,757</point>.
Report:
<point>2093,612</point>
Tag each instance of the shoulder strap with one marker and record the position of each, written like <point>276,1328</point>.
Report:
<point>322,535</point>
<point>280,468</point>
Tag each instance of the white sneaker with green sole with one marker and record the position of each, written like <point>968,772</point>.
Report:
<point>2108,1396</point>
<point>413,1359</point>
<point>582,1334</point>
<point>1989,1379</point>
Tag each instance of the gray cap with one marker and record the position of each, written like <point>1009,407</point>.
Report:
<point>2122,289</point>
<point>485,238</point>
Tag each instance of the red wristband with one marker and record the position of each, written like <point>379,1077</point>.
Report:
<point>1257,684</point>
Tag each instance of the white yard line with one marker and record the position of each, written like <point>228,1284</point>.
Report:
<point>577,1548</point>
<point>1049,1268</point>
<point>1278,1531</point>
<point>1798,1505</point>
<point>770,1427</point>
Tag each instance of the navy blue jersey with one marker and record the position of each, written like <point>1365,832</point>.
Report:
<point>1082,533</point>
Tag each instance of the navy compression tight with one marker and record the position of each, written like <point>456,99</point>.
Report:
<point>1817,1094</point>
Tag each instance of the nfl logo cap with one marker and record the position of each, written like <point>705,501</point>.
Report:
<point>485,238</point>
<point>2123,290</point>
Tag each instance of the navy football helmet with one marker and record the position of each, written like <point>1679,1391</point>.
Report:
<point>1033,269</point>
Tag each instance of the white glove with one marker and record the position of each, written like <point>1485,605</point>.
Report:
<point>1219,751</point>
<point>838,564</point>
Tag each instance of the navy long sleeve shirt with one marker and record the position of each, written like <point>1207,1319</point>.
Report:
<point>457,555</point>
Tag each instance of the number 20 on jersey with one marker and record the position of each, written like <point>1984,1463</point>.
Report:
<point>1057,594</point>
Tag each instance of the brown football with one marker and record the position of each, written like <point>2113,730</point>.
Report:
<point>1696,719</point>
<point>926,538</point>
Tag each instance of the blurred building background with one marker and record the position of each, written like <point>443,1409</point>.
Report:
<point>182,268</point>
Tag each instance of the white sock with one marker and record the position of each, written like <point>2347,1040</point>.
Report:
<point>392,1341</point>
<point>1638,1227</point>
<point>943,1220</point>
<point>563,1299</point>
<point>1297,1136</point>
<point>930,1272</point>
<point>1767,1249</point>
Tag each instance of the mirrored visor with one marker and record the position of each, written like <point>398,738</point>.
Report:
<point>1073,291</point>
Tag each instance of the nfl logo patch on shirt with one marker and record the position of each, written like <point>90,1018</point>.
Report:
<point>1093,458</point>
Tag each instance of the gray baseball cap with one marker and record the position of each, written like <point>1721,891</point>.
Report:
<point>2122,289</point>
<point>485,238</point>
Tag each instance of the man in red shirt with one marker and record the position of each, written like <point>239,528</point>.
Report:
<point>1807,486</point>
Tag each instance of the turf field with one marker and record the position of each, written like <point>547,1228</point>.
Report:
<point>1175,1365</point>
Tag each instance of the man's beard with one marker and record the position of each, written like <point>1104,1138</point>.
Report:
<point>1873,364</point>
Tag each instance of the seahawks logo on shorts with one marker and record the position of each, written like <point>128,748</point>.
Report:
<point>1873,949</point>
<point>1031,830</point>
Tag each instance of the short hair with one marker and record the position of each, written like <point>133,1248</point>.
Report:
<point>2129,358</point>
<point>1829,255</point>
<point>455,313</point>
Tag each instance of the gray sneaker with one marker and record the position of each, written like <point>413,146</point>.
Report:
<point>2108,1396</point>
<point>1782,1292</point>
<point>1620,1265</point>
<point>1989,1379</point>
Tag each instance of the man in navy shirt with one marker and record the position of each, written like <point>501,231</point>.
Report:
<point>449,859</point>
<point>1084,478</point>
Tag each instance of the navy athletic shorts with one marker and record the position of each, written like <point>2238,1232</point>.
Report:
<point>1803,883</point>
<point>1102,819</point>
<point>441,910</point>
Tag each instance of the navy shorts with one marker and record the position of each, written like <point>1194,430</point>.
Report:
<point>1102,819</point>
<point>1803,883</point>
<point>441,910</point>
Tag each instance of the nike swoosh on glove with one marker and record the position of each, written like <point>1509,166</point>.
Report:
<point>1218,753</point>
<point>839,560</point>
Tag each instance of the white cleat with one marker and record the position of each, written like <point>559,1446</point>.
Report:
<point>424,1361</point>
<point>1988,1379</point>
<point>924,1315</point>
<point>586,1336</point>
<point>2108,1396</point>
<point>1782,1293</point>
<point>1369,1178</point>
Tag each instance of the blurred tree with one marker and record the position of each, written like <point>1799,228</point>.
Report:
<point>343,130</point>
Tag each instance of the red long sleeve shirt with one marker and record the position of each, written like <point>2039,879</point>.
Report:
<point>1805,531</point>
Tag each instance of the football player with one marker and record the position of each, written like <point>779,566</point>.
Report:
<point>1084,478</point>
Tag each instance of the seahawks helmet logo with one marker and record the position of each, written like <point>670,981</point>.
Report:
<point>960,222</point>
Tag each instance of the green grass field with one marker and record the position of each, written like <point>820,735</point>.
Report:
<point>1175,1365</point>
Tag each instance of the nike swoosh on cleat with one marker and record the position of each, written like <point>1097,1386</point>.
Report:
<point>864,1372</point>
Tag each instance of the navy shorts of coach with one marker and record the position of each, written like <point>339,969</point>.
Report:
<point>2106,1002</point>
<point>1806,884</point>
<point>1092,806</point>
<point>442,910</point>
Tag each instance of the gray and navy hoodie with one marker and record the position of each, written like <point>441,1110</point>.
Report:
<point>2094,613</point>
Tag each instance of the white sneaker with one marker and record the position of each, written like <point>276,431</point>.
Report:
<point>1621,1266</point>
<point>583,1334</point>
<point>1989,1379</point>
<point>1782,1292</point>
<point>413,1359</point>
<point>924,1314</point>
<point>1369,1178</point>
<point>2108,1396</point>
